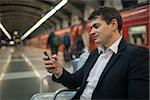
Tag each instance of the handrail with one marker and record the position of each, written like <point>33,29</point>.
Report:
<point>63,90</point>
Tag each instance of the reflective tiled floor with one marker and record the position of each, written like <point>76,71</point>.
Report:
<point>21,70</point>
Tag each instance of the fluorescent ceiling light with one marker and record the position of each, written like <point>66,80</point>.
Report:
<point>43,19</point>
<point>5,31</point>
<point>61,4</point>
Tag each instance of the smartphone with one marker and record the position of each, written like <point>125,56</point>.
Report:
<point>46,54</point>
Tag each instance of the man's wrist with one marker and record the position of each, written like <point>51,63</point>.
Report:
<point>59,75</point>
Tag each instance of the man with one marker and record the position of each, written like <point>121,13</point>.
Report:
<point>115,70</point>
<point>53,42</point>
<point>66,41</point>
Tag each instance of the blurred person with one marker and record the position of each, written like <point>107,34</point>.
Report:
<point>85,36</point>
<point>79,44</point>
<point>67,43</point>
<point>53,42</point>
<point>116,69</point>
<point>3,43</point>
<point>16,39</point>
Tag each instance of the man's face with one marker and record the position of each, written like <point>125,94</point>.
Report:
<point>100,31</point>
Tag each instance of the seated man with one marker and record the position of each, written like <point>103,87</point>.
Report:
<point>115,70</point>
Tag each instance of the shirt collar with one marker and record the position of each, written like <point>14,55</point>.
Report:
<point>113,47</point>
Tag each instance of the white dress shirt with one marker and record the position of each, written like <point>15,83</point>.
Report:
<point>98,68</point>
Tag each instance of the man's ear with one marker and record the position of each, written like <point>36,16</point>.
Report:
<point>114,24</point>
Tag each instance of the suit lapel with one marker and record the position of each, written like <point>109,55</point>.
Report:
<point>88,66</point>
<point>109,65</point>
<point>113,59</point>
<point>90,63</point>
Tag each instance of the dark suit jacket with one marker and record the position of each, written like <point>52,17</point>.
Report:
<point>126,76</point>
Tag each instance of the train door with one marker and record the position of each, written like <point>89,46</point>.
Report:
<point>136,25</point>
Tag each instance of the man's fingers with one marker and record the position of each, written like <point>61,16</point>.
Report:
<point>51,71</point>
<point>49,62</point>
<point>49,68</point>
<point>45,58</point>
<point>54,57</point>
<point>52,65</point>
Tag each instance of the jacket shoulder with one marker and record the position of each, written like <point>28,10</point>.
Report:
<point>137,48</point>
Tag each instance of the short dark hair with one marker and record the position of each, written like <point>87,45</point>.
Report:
<point>107,14</point>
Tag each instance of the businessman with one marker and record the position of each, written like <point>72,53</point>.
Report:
<point>115,70</point>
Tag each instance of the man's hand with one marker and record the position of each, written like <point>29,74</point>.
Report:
<point>53,65</point>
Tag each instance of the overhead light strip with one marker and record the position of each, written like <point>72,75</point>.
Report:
<point>5,31</point>
<point>43,19</point>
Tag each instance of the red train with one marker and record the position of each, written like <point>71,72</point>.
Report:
<point>136,25</point>
<point>135,29</point>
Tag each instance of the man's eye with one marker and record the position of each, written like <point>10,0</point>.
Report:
<point>96,26</point>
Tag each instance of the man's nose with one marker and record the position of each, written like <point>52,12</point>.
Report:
<point>92,31</point>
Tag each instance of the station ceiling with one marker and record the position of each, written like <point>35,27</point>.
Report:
<point>21,15</point>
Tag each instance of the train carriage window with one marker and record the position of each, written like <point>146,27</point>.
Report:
<point>138,35</point>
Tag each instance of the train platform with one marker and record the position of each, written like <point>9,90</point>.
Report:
<point>21,71</point>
